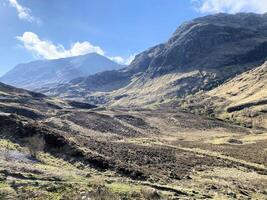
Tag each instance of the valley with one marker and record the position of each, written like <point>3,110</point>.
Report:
<point>199,56</point>
<point>187,119</point>
<point>163,152</point>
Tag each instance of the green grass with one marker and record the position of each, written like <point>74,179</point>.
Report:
<point>6,192</point>
<point>117,187</point>
<point>7,144</point>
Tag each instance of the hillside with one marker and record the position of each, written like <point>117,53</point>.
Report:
<point>89,152</point>
<point>200,55</point>
<point>242,99</point>
<point>136,132</point>
<point>50,72</point>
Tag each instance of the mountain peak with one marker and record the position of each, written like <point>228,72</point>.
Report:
<point>46,72</point>
<point>208,42</point>
<point>200,55</point>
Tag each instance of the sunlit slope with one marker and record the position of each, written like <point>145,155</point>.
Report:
<point>242,99</point>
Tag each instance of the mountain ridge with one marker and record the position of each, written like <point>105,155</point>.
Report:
<point>200,55</point>
<point>186,120</point>
<point>44,72</point>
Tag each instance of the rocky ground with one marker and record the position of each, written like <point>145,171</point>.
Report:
<point>141,141</point>
<point>114,153</point>
<point>241,100</point>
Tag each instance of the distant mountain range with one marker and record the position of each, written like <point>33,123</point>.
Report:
<point>128,130</point>
<point>209,65</point>
<point>200,55</point>
<point>50,72</point>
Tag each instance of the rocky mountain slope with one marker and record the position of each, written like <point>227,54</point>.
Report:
<point>52,148</point>
<point>93,152</point>
<point>242,99</point>
<point>200,55</point>
<point>50,72</point>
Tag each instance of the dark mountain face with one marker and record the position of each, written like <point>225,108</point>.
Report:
<point>211,42</point>
<point>200,55</point>
<point>39,73</point>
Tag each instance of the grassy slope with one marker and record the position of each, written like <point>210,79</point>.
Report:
<point>117,153</point>
<point>242,99</point>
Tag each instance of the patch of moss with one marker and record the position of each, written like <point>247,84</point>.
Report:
<point>51,191</point>
<point>50,160</point>
<point>123,188</point>
<point>6,192</point>
<point>7,144</point>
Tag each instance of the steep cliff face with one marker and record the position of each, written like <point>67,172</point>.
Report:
<point>211,42</point>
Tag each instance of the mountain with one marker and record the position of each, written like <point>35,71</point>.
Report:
<point>200,55</point>
<point>56,149</point>
<point>242,99</point>
<point>144,143</point>
<point>49,72</point>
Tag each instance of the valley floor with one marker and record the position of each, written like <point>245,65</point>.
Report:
<point>131,154</point>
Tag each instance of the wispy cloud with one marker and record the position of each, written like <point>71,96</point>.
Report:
<point>123,61</point>
<point>48,50</point>
<point>23,12</point>
<point>231,6</point>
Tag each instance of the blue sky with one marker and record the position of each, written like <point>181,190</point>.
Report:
<point>118,29</point>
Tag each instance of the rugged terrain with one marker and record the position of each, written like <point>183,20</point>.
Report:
<point>185,120</point>
<point>242,99</point>
<point>47,73</point>
<point>209,66</point>
<point>200,55</point>
<point>117,153</point>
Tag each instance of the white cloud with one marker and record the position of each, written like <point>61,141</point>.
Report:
<point>231,6</point>
<point>123,61</point>
<point>23,12</point>
<point>48,50</point>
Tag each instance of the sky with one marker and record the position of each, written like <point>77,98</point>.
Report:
<point>117,29</point>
